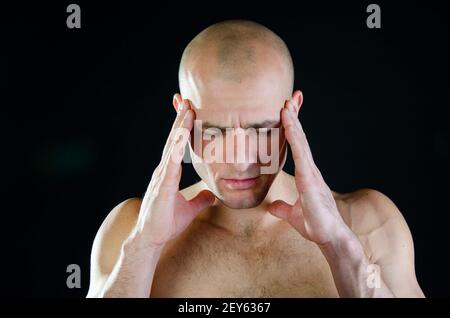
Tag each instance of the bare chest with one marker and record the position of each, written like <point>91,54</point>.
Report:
<point>199,265</point>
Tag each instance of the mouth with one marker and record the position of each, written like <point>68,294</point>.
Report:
<point>241,184</point>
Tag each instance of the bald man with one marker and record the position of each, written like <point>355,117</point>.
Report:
<point>240,232</point>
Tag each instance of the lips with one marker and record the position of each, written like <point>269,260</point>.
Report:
<point>241,184</point>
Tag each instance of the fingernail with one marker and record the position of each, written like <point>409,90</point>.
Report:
<point>291,107</point>
<point>181,107</point>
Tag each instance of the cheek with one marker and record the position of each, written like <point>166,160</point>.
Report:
<point>273,145</point>
<point>208,172</point>
<point>197,142</point>
<point>209,149</point>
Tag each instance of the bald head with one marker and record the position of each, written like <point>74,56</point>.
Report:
<point>235,50</point>
<point>236,74</point>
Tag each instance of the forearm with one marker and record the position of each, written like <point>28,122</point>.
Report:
<point>352,271</point>
<point>133,273</point>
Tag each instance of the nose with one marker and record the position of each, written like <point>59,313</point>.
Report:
<point>245,149</point>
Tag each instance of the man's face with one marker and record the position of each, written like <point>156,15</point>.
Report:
<point>227,109</point>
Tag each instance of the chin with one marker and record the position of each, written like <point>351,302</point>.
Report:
<point>241,205</point>
<point>245,203</point>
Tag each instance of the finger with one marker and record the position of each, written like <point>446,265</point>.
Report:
<point>293,214</point>
<point>201,201</point>
<point>183,109</point>
<point>301,152</point>
<point>280,209</point>
<point>172,164</point>
<point>296,218</point>
<point>296,141</point>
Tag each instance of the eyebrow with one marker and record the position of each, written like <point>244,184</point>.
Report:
<point>264,124</point>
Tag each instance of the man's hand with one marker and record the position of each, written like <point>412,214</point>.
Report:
<point>164,212</point>
<point>314,214</point>
<point>316,217</point>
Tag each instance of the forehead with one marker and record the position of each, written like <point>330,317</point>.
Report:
<point>236,104</point>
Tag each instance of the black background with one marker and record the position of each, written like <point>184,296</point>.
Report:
<point>87,111</point>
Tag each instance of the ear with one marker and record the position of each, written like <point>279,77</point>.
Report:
<point>176,101</point>
<point>297,100</point>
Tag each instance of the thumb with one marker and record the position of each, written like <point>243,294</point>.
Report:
<point>201,201</point>
<point>280,209</point>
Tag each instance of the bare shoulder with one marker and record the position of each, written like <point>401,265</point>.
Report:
<point>377,221</point>
<point>114,230</point>
<point>125,213</point>
<point>368,209</point>
<point>118,225</point>
<point>386,238</point>
<point>123,217</point>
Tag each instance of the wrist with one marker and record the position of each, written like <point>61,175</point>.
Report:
<point>136,243</point>
<point>344,247</point>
